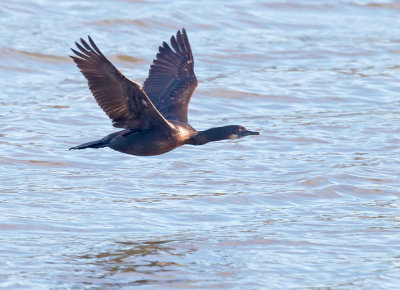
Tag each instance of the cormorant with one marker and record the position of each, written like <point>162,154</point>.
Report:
<point>153,117</point>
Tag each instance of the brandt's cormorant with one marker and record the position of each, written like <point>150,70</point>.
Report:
<point>153,117</point>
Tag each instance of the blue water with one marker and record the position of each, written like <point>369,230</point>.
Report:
<point>312,202</point>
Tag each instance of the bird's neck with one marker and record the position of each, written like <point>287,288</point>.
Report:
<point>210,135</point>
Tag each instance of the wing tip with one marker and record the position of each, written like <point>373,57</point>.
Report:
<point>183,32</point>
<point>87,47</point>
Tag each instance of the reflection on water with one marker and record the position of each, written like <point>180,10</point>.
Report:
<point>312,202</point>
<point>130,263</point>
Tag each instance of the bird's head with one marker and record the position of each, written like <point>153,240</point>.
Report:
<point>236,132</point>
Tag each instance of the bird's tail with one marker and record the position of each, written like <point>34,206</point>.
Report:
<point>93,144</point>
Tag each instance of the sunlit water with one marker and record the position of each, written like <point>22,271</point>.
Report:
<point>312,202</point>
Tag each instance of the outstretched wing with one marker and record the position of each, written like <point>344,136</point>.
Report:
<point>123,100</point>
<point>171,80</point>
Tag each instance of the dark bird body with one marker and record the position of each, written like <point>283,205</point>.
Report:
<point>154,117</point>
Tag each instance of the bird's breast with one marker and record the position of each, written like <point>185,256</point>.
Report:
<point>145,143</point>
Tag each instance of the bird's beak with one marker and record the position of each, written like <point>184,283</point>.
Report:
<point>247,132</point>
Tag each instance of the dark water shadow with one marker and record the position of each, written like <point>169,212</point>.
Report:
<point>128,263</point>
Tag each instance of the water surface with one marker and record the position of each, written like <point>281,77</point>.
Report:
<point>312,202</point>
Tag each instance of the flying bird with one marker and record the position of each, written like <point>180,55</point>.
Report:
<point>154,117</point>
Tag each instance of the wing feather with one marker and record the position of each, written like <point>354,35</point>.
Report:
<point>172,81</point>
<point>123,100</point>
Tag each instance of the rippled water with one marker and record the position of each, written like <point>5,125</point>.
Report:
<point>312,202</point>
